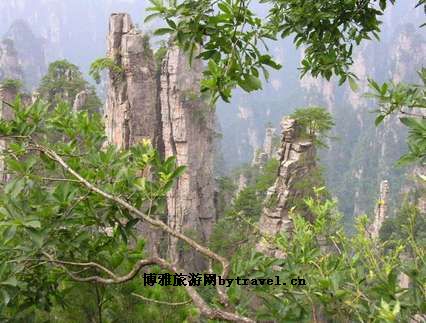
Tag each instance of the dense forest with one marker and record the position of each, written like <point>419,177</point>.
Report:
<point>212,161</point>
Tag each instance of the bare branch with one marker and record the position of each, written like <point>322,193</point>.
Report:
<point>161,302</point>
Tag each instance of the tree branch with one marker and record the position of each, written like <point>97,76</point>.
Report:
<point>198,301</point>
<point>161,302</point>
<point>157,223</point>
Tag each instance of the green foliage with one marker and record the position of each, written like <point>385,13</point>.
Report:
<point>233,38</point>
<point>407,220</point>
<point>101,64</point>
<point>316,121</point>
<point>238,215</point>
<point>46,210</point>
<point>12,84</point>
<point>408,100</point>
<point>347,278</point>
<point>63,82</point>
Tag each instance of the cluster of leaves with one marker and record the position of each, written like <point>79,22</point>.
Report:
<point>409,100</point>
<point>102,64</point>
<point>63,82</point>
<point>46,210</point>
<point>230,34</point>
<point>317,123</point>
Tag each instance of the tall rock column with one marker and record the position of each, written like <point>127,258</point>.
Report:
<point>297,160</point>
<point>380,210</point>
<point>131,111</point>
<point>188,134</point>
<point>268,144</point>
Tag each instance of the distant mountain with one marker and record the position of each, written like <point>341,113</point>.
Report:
<point>71,29</point>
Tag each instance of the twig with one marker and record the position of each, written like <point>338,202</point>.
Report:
<point>59,179</point>
<point>162,302</point>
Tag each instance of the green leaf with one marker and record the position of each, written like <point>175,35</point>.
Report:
<point>163,31</point>
<point>178,172</point>
<point>409,122</point>
<point>14,187</point>
<point>379,119</point>
<point>9,233</point>
<point>353,85</point>
<point>250,83</point>
<point>224,8</point>
<point>6,296</point>
<point>11,281</point>
<point>152,17</point>
<point>35,224</point>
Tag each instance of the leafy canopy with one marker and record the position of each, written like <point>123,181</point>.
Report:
<point>233,37</point>
<point>316,121</point>
<point>409,101</point>
<point>101,64</point>
<point>63,82</point>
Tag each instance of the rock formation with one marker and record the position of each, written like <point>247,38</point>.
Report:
<point>380,212</point>
<point>261,156</point>
<point>188,134</point>
<point>132,113</point>
<point>9,62</point>
<point>260,159</point>
<point>297,160</point>
<point>30,51</point>
<point>268,143</point>
<point>166,107</point>
<point>80,101</point>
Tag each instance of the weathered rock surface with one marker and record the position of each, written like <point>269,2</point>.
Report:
<point>131,111</point>
<point>297,160</point>
<point>268,143</point>
<point>188,134</point>
<point>167,108</point>
<point>30,52</point>
<point>380,212</point>
<point>80,101</point>
<point>9,62</point>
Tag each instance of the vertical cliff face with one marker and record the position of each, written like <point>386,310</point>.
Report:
<point>131,111</point>
<point>168,109</point>
<point>297,160</point>
<point>380,212</point>
<point>188,134</point>
<point>9,61</point>
<point>268,144</point>
<point>80,101</point>
<point>30,52</point>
